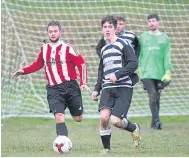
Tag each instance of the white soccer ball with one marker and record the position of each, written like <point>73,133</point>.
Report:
<point>62,144</point>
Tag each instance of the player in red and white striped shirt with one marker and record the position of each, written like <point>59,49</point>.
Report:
<point>59,60</point>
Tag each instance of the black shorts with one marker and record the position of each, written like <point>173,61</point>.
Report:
<point>67,94</point>
<point>117,99</point>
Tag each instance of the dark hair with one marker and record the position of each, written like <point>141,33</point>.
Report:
<point>151,16</point>
<point>120,18</point>
<point>109,18</point>
<point>54,23</point>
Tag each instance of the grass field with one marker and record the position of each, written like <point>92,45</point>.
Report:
<point>23,30</point>
<point>33,137</point>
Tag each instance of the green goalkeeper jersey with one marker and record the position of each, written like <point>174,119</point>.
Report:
<point>155,55</point>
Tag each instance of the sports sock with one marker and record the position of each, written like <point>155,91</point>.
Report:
<point>106,141</point>
<point>105,137</point>
<point>61,129</point>
<point>130,127</point>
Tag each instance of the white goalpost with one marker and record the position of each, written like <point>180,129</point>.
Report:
<point>23,29</point>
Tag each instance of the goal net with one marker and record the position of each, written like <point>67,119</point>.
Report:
<point>23,29</point>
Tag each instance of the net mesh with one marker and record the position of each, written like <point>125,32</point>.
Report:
<point>23,28</point>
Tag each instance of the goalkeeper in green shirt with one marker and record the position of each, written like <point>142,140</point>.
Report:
<point>154,65</point>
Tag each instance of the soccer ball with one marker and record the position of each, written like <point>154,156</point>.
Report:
<point>62,144</point>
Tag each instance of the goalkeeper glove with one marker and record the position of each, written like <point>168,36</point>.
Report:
<point>167,76</point>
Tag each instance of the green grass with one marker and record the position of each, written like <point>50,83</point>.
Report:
<point>31,137</point>
<point>34,137</point>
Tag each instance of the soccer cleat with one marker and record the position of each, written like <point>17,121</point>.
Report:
<point>157,125</point>
<point>136,136</point>
<point>105,151</point>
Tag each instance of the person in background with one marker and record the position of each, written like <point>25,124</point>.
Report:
<point>154,65</point>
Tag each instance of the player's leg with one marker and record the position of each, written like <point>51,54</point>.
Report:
<point>119,119</point>
<point>105,107</point>
<point>153,94</point>
<point>104,129</point>
<point>57,107</point>
<point>158,124</point>
<point>76,108</point>
<point>159,87</point>
<point>74,101</point>
<point>121,107</point>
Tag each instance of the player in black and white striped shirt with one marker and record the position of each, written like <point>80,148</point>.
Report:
<point>126,35</point>
<point>118,59</point>
<point>121,32</point>
<point>118,62</point>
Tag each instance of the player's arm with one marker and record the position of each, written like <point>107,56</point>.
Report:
<point>131,62</point>
<point>167,62</point>
<point>78,60</point>
<point>167,58</point>
<point>99,46</point>
<point>82,68</point>
<point>141,53</point>
<point>98,85</point>
<point>35,66</point>
<point>140,57</point>
<point>99,78</point>
<point>136,46</point>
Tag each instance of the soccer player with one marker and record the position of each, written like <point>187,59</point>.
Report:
<point>155,65</point>
<point>59,60</point>
<point>129,36</point>
<point>118,61</point>
<point>122,33</point>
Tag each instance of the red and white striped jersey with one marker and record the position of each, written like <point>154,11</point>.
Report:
<point>59,61</point>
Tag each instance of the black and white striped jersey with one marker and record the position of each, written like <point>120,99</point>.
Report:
<point>132,39</point>
<point>118,59</point>
<point>125,34</point>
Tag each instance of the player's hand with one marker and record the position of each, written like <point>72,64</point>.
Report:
<point>18,73</point>
<point>94,96</point>
<point>85,87</point>
<point>113,78</point>
<point>166,77</point>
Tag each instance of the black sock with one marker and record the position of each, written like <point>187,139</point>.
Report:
<point>105,137</point>
<point>61,129</point>
<point>106,141</point>
<point>130,127</point>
